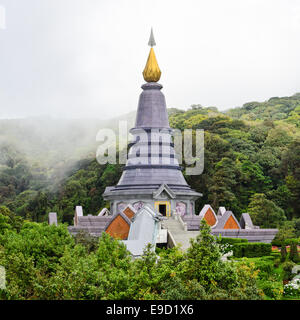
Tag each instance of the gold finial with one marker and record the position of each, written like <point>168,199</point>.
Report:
<point>151,72</point>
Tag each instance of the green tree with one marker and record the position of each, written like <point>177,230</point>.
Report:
<point>203,261</point>
<point>283,252</point>
<point>9,219</point>
<point>264,212</point>
<point>294,255</point>
<point>286,231</point>
<point>4,223</point>
<point>291,170</point>
<point>221,280</point>
<point>221,192</point>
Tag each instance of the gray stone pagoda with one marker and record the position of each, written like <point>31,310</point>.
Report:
<point>152,174</point>
<point>152,202</point>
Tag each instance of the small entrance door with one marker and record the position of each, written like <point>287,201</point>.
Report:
<point>163,207</point>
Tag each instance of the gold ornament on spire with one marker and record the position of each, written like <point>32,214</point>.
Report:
<point>151,72</point>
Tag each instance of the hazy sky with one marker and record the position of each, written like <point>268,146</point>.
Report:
<point>84,58</point>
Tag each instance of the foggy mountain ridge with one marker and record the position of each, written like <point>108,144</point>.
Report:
<point>55,146</point>
<point>50,140</point>
<point>51,148</point>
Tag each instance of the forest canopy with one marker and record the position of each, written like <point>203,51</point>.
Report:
<point>252,163</point>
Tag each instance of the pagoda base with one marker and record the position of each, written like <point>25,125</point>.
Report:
<point>162,198</point>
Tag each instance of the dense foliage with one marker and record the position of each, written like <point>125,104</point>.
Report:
<point>252,249</point>
<point>252,164</point>
<point>45,262</point>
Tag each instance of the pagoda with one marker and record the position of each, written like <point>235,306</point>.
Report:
<point>153,188</point>
<point>152,174</point>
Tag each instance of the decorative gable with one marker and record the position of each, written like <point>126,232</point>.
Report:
<point>210,218</point>
<point>164,192</point>
<point>231,223</point>
<point>208,214</point>
<point>119,226</point>
<point>164,195</point>
<point>129,211</point>
<point>227,221</point>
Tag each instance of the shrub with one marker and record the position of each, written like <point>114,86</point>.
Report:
<point>44,262</point>
<point>233,240</point>
<point>287,270</point>
<point>283,253</point>
<point>294,256</point>
<point>293,240</point>
<point>177,289</point>
<point>276,242</point>
<point>265,266</point>
<point>87,240</point>
<point>252,249</point>
<point>279,242</point>
<point>43,243</point>
<point>272,289</point>
<point>275,255</point>
<point>220,280</point>
<point>276,263</point>
<point>292,289</point>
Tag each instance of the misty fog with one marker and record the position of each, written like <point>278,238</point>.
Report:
<point>53,145</point>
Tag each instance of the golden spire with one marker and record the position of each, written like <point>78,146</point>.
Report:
<point>151,72</point>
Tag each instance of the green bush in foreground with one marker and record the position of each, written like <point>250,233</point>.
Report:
<point>45,262</point>
<point>272,289</point>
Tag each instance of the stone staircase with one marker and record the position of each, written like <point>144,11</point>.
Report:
<point>177,232</point>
